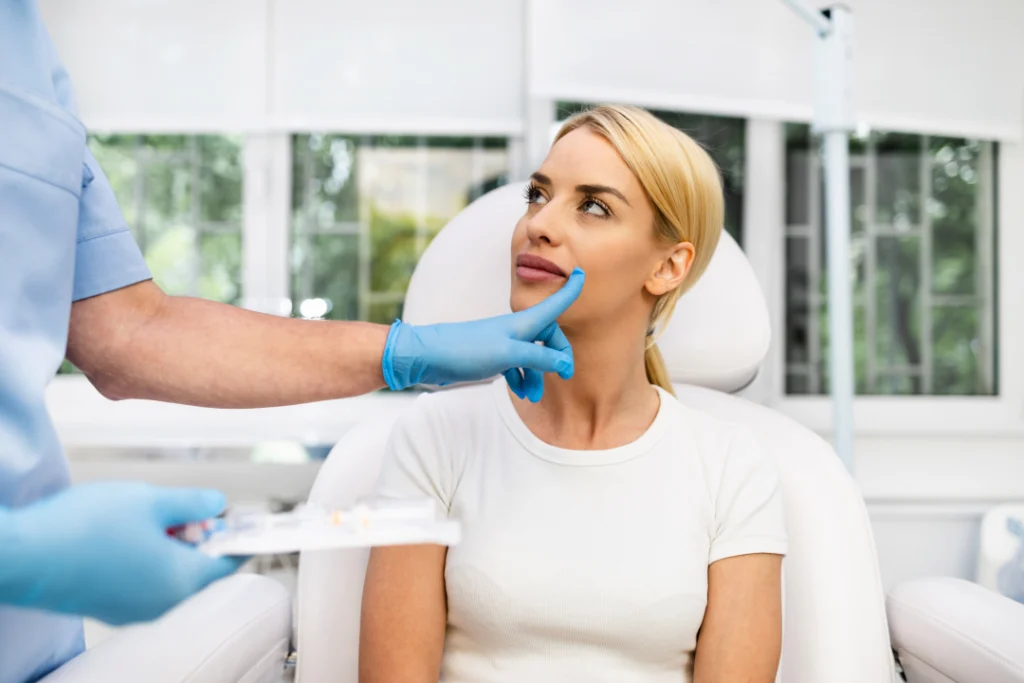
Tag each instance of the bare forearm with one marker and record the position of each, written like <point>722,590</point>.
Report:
<point>197,352</point>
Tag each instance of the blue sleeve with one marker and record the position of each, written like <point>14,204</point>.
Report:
<point>106,256</point>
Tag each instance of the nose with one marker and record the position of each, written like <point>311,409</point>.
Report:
<point>543,226</point>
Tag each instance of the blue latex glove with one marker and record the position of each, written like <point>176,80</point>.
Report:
<point>464,352</point>
<point>102,551</point>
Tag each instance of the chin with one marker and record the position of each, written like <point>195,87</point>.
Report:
<point>525,295</point>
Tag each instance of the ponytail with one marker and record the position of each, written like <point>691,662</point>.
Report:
<point>657,373</point>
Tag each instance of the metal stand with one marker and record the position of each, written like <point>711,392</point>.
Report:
<point>834,121</point>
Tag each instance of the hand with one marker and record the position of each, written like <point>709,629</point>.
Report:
<point>463,352</point>
<point>102,551</point>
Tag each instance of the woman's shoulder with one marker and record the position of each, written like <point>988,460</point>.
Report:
<point>450,408</point>
<point>716,438</point>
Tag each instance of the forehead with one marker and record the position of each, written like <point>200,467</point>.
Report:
<point>583,157</point>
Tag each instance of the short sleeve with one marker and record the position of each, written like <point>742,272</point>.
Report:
<point>748,509</point>
<point>415,465</point>
<point>106,255</point>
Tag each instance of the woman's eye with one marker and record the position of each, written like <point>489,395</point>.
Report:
<point>594,208</point>
<point>534,196</point>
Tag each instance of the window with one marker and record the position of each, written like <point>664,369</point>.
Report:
<point>725,140</point>
<point>181,195</point>
<point>182,198</point>
<point>365,208</point>
<point>923,243</point>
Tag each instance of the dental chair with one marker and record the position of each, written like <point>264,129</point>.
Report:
<point>835,624</point>
<point>236,631</point>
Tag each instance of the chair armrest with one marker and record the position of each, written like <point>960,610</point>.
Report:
<point>951,630</point>
<point>235,631</point>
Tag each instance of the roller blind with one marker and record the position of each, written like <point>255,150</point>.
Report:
<point>940,66</point>
<point>397,65</point>
<point>164,65</point>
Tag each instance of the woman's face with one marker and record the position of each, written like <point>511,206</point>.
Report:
<point>586,209</point>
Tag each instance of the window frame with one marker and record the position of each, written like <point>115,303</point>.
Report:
<point>995,416</point>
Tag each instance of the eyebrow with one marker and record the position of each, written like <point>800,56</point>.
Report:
<point>583,189</point>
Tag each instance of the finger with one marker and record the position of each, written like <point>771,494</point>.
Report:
<point>553,338</point>
<point>541,358</point>
<point>514,378</point>
<point>534,384</point>
<point>180,506</point>
<point>539,316</point>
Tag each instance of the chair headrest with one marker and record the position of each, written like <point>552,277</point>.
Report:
<point>717,337</point>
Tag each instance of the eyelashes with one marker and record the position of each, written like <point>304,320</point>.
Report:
<point>532,194</point>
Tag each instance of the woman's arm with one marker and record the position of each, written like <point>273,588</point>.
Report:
<point>404,615</point>
<point>740,640</point>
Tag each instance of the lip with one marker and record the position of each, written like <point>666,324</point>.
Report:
<point>531,264</point>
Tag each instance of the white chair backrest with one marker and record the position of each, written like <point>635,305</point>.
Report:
<point>835,626</point>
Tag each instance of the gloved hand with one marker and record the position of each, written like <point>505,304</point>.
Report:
<point>102,550</point>
<point>463,352</point>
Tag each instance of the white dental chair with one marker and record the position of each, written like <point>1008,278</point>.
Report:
<point>835,626</point>
<point>236,631</point>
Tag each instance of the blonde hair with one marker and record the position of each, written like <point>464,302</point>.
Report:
<point>681,182</point>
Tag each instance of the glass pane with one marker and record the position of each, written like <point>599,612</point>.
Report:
<point>385,313</point>
<point>798,189</point>
<point>395,192</point>
<point>325,179</point>
<point>953,215</point>
<point>897,384</point>
<point>798,285</point>
<point>898,165</point>
<point>898,303</point>
<point>860,383</point>
<point>325,276</point>
<point>168,187</point>
<point>220,179</point>
<point>221,275</point>
<point>797,384</point>
<point>959,354</point>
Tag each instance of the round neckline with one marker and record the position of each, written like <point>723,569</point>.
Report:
<point>579,458</point>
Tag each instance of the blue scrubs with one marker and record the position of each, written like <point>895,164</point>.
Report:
<point>62,238</point>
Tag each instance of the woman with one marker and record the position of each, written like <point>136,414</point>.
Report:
<point>609,532</point>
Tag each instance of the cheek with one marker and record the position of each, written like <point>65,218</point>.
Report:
<point>616,271</point>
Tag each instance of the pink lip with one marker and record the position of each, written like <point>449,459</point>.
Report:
<point>533,268</point>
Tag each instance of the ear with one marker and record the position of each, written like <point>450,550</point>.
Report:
<point>672,270</point>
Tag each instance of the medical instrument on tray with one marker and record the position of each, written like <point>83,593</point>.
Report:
<point>314,527</point>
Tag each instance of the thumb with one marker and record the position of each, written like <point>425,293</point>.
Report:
<point>539,316</point>
<point>180,506</point>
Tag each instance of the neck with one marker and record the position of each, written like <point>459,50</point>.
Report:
<point>608,402</point>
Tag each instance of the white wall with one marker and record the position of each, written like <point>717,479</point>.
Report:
<point>927,466</point>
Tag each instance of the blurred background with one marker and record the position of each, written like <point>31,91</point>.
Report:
<point>297,156</point>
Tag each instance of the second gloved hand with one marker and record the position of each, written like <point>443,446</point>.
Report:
<point>476,350</point>
<point>102,551</point>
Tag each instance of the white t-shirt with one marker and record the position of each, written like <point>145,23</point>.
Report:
<point>580,565</point>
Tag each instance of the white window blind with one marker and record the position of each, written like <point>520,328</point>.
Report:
<point>943,67</point>
<point>164,65</point>
<point>448,66</point>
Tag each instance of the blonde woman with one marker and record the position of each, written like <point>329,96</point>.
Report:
<point>609,532</point>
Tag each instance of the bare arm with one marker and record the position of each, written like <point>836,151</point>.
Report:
<point>138,342</point>
<point>401,636</point>
<point>741,638</point>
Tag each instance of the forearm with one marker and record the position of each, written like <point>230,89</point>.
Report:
<point>197,352</point>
